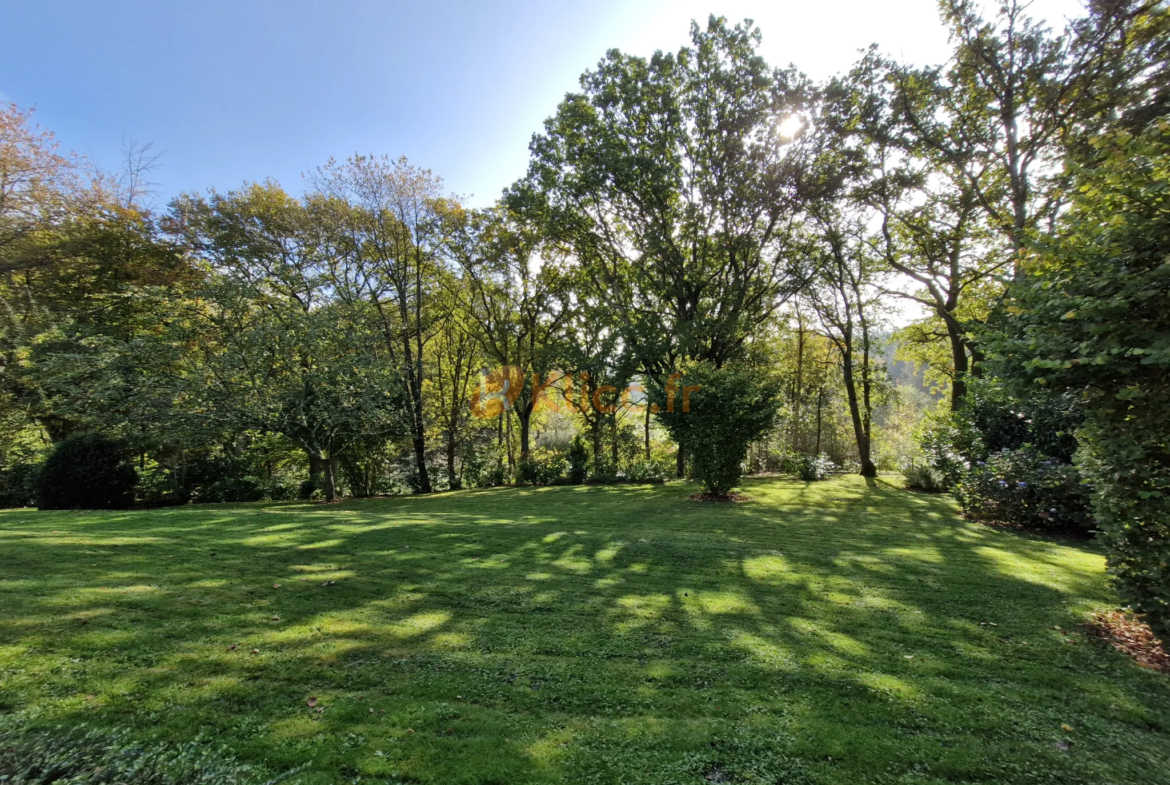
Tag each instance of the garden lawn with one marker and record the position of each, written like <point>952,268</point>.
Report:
<point>828,632</point>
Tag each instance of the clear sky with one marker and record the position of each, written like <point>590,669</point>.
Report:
<point>241,91</point>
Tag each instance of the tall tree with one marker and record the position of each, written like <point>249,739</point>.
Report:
<point>385,236</point>
<point>672,181</point>
<point>514,292</point>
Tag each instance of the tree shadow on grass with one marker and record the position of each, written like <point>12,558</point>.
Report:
<point>539,634</point>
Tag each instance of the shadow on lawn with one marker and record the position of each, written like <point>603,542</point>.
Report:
<point>855,618</point>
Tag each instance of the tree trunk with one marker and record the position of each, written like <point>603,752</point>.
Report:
<point>614,449</point>
<point>452,478</point>
<point>961,366</point>
<point>647,429</point>
<point>330,478</point>
<point>820,400</point>
<point>524,417</point>
<point>860,432</point>
<point>680,463</point>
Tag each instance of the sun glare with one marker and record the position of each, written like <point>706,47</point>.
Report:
<point>789,127</point>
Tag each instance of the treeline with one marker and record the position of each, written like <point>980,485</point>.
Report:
<point>703,259</point>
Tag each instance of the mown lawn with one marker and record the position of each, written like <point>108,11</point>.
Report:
<point>831,632</point>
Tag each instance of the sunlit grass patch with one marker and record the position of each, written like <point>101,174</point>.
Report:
<point>566,635</point>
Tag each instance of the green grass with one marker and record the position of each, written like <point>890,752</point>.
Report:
<point>829,632</point>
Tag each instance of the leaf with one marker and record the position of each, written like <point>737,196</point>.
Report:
<point>311,702</point>
<point>1066,728</point>
<point>276,585</point>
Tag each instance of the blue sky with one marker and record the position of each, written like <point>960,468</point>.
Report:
<point>241,91</point>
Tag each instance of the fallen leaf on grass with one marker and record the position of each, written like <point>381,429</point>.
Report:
<point>255,651</point>
<point>233,647</point>
<point>311,702</point>
<point>1067,728</point>
<point>330,583</point>
<point>276,585</point>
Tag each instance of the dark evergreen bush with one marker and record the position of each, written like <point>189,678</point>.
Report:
<point>18,485</point>
<point>86,471</point>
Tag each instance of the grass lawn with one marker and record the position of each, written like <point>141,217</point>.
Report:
<point>829,632</point>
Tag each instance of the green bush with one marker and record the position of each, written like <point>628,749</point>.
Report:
<point>1025,488</point>
<point>233,489</point>
<point>603,472</point>
<point>729,408</point>
<point>645,472</point>
<point>1089,317</point>
<point>18,485</point>
<point>90,756</point>
<point>312,488</point>
<point>542,467</point>
<point>578,460</point>
<point>86,471</point>
<point>923,477</point>
<point>812,468</point>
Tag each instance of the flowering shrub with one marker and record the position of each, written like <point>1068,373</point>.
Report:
<point>1024,488</point>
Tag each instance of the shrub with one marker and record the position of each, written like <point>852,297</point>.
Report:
<point>578,460</point>
<point>312,488</point>
<point>812,468</point>
<point>730,407</point>
<point>233,489</point>
<point>18,485</point>
<point>1089,317</point>
<point>645,472</point>
<point>542,467</point>
<point>603,472</point>
<point>86,471</point>
<point>1024,488</point>
<point>88,756</point>
<point>922,476</point>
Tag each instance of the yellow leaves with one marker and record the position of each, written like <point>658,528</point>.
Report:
<point>1070,315</point>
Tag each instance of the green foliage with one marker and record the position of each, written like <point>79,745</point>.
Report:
<point>310,489</point>
<point>729,408</point>
<point>1026,488</point>
<point>923,477</point>
<point>18,485</point>
<point>644,471</point>
<point>87,471</point>
<point>578,460</point>
<point>812,468</point>
<point>1090,317</point>
<point>542,467</point>
<point>84,755</point>
<point>687,149</point>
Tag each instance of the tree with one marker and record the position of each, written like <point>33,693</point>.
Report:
<point>269,347</point>
<point>1089,316</point>
<point>672,182</point>
<point>715,414</point>
<point>456,358</point>
<point>514,293</point>
<point>845,298</point>
<point>385,236</point>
